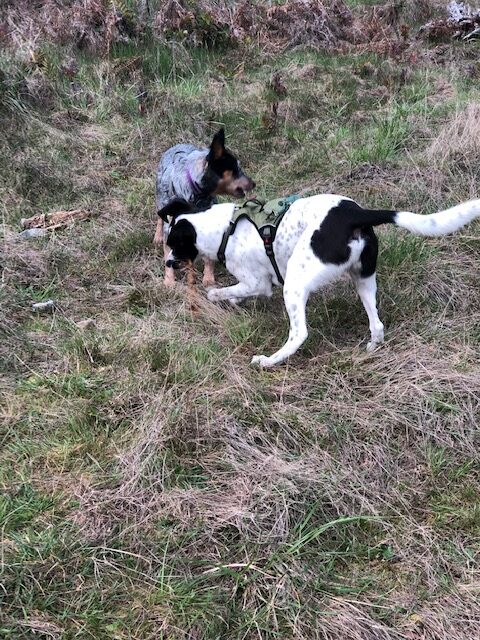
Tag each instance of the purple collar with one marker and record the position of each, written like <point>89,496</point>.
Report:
<point>197,190</point>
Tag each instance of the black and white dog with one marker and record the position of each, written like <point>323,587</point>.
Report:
<point>319,239</point>
<point>197,176</point>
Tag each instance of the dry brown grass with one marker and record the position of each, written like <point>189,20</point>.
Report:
<point>458,140</point>
<point>96,26</point>
<point>83,24</point>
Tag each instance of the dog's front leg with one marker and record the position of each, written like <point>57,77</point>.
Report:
<point>237,292</point>
<point>192,293</point>
<point>158,237</point>
<point>169,278</point>
<point>161,236</point>
<point>295,303</point>
<point>208,274</point>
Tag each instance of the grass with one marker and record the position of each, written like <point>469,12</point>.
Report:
<point>152,483</point>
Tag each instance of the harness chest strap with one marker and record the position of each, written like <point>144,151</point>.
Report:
<point>271,214</point>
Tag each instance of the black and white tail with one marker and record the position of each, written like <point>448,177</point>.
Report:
<point>434,224</point>
<point>440,223</point>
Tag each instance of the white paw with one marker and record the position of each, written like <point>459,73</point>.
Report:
<point>212,295</point>
<point>261,361</point>
<point>373,345</point>
<point>377,339</point>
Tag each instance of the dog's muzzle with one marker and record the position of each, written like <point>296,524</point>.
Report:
<point>172,262</point>
<point>244,185</point>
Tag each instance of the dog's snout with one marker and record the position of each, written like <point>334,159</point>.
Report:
<point>248,184</point>
<point>172,263</point>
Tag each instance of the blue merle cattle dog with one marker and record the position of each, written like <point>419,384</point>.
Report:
<point>198,176</point>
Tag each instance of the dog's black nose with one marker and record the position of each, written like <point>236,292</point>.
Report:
<point>174,264</point>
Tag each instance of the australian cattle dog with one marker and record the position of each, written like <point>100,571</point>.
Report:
<point>198,176</point>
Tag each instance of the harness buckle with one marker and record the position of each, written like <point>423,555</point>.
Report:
<point>267,237</point>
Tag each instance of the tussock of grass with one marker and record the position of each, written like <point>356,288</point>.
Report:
<point>458,141</point>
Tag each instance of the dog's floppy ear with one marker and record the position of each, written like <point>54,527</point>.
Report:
<point>174,208</point>
<point>217,148</point>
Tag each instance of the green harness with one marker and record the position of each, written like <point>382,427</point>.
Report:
<point>265,216</point>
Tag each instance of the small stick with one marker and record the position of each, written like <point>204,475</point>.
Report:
<point>192,292</point>
<point>55,219</point>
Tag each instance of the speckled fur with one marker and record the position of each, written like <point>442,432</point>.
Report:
<point>172,178</point>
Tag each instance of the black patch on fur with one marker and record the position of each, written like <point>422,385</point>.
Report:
<point>219,160</point>
<point>217,148</point>
<point>174,208</point>
<point>226,162</point>
<point>182,241</point>
<point>341,224</point>
<point>179,206</point>
<point>368,257</point>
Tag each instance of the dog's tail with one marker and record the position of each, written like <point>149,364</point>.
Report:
<point>434,224</point>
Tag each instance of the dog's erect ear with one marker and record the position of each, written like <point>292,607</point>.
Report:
<point>174,208</point>
<point>217,148</point>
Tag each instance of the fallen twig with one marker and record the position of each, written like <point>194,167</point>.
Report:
<point>54,220</point>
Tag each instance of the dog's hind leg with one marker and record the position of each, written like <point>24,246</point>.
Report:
<point>365,281</point>
<point>367,290</point>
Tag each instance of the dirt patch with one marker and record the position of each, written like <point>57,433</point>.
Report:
<point>444,90</point>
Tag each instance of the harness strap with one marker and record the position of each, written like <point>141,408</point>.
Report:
<point>266,226</point>
<point>267,234</point>
<point>223,245</point>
